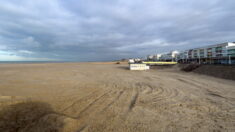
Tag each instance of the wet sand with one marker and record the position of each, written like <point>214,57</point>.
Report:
<point>106,97</point>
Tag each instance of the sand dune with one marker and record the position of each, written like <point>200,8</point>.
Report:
<point>100,97</point>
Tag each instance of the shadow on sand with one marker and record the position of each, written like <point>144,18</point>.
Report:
<point>124,67</point>
<point>29,117</point>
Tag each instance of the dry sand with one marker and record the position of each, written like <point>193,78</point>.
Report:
<point>99,97</point>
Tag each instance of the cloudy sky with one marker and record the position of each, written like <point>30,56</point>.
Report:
<point>100,30</point>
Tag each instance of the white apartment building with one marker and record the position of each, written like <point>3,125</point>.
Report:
<point>170,56</point>
<point>218,53</point>
<point>157,57</point>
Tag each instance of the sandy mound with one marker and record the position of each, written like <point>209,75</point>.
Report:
<point>32,117</point>
<point>189,67</point>
<point>220,71</point>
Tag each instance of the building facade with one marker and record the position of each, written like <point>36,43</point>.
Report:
<point>169,56</point>
<point>213,54</point>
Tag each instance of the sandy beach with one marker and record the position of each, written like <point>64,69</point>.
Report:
<point>106,97</point>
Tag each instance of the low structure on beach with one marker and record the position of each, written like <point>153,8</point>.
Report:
<point>139,67</point>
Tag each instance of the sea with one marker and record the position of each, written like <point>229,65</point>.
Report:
<point>33,62</point>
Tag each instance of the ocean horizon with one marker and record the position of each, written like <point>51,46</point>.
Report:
<point>34,62</point>
<point>23,62</point>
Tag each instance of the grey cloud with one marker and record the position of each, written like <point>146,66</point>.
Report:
<point>87,30</point>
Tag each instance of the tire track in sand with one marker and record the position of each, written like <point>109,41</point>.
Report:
<point>90,104</point>
<point>134,97</point>
<point>79,100</point>
<point>133,100</point>
<point>113,101</point>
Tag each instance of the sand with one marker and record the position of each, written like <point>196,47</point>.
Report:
<point>106,97</point>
